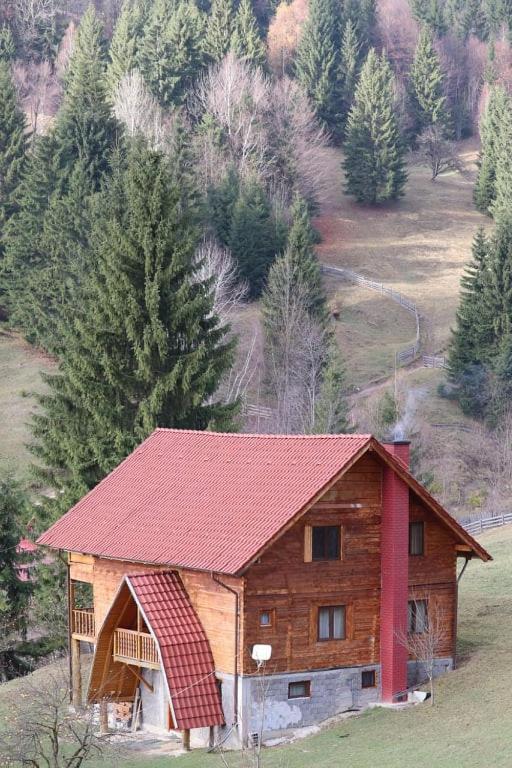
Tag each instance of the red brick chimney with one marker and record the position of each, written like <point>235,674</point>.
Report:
<point>401,449</point>
<point>394,576</point>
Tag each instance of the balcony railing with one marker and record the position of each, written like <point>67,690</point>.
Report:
<point>138,648</point>
<point>82,623</point>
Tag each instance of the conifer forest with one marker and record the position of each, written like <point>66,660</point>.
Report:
<point>175,176</point>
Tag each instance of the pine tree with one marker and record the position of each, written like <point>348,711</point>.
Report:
<point>361,14</point>
<point>473,335</point>
<point>14,593</point>
<point>427,85</point>
<point>431,13</point>
<point>374,163</point>
<point>349,64</point>
<point>246,42</point>
<point>219,30</point>
<point>301,250</point>
<point>7,46</point>
<point>125,44</point>
<point>221,201</point>
<point>24,254</point>
<point>500,281</point>
<point>331,412</point>
<point>500,146</point>
<point>85,129</point>
<point>170,55</point>
<point>490,128</point>
<point>12,147</point>
<point>317,61</point>
<point>253,240</point>
<point>143,350</point>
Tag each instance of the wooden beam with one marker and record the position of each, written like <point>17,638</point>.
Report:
<point>76,674</point>
<point>185,735</point>
<point>140,678</point>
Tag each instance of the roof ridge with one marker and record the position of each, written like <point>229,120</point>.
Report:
<point>266,435</point>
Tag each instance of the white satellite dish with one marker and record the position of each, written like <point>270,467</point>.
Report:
<point>261,653</point>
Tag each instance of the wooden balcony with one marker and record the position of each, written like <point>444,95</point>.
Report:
<point>82,625</point>
<point>132,647</point>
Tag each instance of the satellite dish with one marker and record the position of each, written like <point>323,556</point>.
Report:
<point>261,653</point>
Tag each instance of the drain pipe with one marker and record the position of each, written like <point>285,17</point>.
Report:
<point>237,641</point>
<point>456,611</point>
<point>461,574</point>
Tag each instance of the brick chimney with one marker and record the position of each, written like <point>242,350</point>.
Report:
<point>394,576</point>
<point>401,449</point>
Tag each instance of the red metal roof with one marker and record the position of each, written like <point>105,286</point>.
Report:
<point>186,655</point>
<point>202,500</point>
<point>212,501</point>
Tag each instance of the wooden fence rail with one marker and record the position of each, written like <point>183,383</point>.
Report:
<point>83,623</point>
<point>138,647</point>
<point>485,524</point>
<point>407,354</point>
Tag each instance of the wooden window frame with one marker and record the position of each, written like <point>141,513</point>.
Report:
<point>308,543</point>
<point>422,524</point>
<point>271,612</point>
<point>331,638</point>
<point>307,688</point>
<point>374,678</point>
<point>412,625</point>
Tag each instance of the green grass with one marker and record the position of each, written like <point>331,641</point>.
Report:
<point>20,367</point>
<point>469,727</point>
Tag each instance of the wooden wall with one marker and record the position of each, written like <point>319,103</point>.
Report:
<point>293,589</point>
<point>214,604</point>
<point>282,581</point>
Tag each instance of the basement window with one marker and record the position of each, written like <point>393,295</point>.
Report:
<point>300,690</point>
<point>417,538</point>
<point>368,678</point>
<point>418,616</point>
<point>331,622</point>
<point>326,542</point>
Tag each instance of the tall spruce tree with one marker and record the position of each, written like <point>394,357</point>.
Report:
<point>219,30</point>
<point>431,13</point>
<point>427,86</point>
<point>144,349</point>
<point>12,147</point>
<point>490,129</point>
<point>501,206</point>
<point>246,42</point>
<point>302,254</point>
<point>25,257</point>
<point>500,281</point>
<point>349,64</point>
<point>374,151</point>
<point>331,410</point>
<point>125,43</point>
<point>170,54</point>
<point>254,238</point>
<point>85,129</point>
<point>7,45</point>
<point>317,62</point>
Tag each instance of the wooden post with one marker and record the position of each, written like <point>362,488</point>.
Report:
<point>76,674</point>
<point>103,716</point>
<point>186,739</point>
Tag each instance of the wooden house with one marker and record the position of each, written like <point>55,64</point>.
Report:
<point>200,546</point>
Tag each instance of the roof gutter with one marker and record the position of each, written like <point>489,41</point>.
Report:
<point>237,642</point>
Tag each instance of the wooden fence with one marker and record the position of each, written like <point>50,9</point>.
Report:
<point>485,524</point>
<point>407,354</point>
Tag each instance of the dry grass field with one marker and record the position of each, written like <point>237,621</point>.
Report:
<point>20,368</point>
<point>419,245</point>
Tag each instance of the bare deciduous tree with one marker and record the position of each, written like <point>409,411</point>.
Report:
<point>43,730</point>
<point>138,110</point>
<point>426,636</point>
<point>215,265</point>
<point>30,15</point>
<point>39,92</point>
<point>264,129</point>
<point>284,33</point>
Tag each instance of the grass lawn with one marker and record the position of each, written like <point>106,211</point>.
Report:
<point>470,726</point>
<point>20,366</point>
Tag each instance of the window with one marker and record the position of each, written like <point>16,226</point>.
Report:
<point>331,622</point>
<point>368,678</point>
<point>300,690</point>
<point>418,616</point>
<point>326,542</point>
<point>416,538</point>
<point>266,618</point>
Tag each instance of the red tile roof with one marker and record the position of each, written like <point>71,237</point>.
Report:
<point>186,655</point>
<point>202,500</point>
<point>212,501</point>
